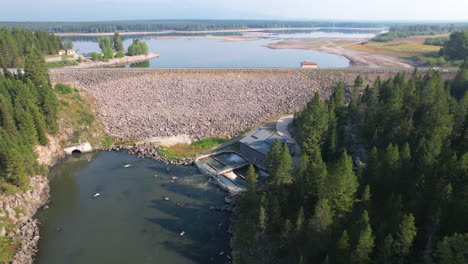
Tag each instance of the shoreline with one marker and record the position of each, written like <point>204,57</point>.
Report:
<point>333,46</point>
<point>116,61</point>
<point>123,33</point>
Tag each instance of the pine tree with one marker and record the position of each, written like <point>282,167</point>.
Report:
<point>26,126</point>
<point>39,123</point>
<point>322,218</point>
<point>312,124</point>
<point>300,221</point>
<point>262,218</point>
<point>453,249</point>
<point>251,178</point>
<point>317,171</point>
<point>358,82</point>
<point>342,249</point>
<point>35,69</point>
<point>365,243</point>
<point>366,197</point>
<point>118,45</point>
<point>319,228</point>
<point>6,116</point>
<point>285,168</point>
<point>272,160</point>
<point>386,251</point>
<point>338,96</point>
<point>406,235</point>
<point>249,198</point>
<point>342,185</point>
<point>274,215</point>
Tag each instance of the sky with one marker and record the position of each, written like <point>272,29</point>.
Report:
<point>102,10</point>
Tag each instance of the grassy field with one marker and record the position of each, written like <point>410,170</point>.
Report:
<point>402,47</point>
<point>60,64</point>
<point>77,115</point>
<point>182,151</point>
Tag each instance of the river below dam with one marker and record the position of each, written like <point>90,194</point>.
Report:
<point>131,222</point>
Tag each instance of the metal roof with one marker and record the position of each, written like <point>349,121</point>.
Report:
<point>261,140</point>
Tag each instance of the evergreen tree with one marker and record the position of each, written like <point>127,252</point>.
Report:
<point>274,215</point>
<point>406,235</point>
<point>272,160</point>
<point>312,124</point>
<point>453,249</point>
<point>118,45</point>
<point>386,251</point>
<point>250,196</point>
<point>342,254</point>
<point>315,183</point>
<point>26,126</point>
<point>300,221</point>
<point>285,168</point>
<point>342,185</point>
<point>365,243</point>
<point>366,197</point>
<point>358,82</point>
<point>338,96</point>
<point>35,68</point>
<point>319,227</point>
<point>262,218</point>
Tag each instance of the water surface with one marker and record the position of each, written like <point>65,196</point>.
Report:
<point>130,222</point>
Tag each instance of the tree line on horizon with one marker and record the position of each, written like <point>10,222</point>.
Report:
<point>180,25</point>
<point>404,199</point>
<point>403,31</point>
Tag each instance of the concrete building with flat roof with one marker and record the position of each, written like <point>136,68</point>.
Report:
<point>256,145</point>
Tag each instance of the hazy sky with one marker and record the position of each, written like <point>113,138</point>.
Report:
<point>82,10</point>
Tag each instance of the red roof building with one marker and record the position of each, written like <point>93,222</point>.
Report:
<point>309,64</point>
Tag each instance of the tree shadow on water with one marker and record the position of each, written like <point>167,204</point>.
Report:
<point>205,235</point>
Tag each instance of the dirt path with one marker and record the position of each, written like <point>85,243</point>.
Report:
<point>282,127</point>
<point>116,61</point>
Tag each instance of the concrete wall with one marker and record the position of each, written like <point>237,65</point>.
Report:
<point>253,156</point>
<point>82,148</point>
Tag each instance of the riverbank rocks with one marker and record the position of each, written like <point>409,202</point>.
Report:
<point>19,209</point>
<point>150,151</point>
<point>137,105</point>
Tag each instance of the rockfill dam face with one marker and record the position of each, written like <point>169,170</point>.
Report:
<point>143,103</point>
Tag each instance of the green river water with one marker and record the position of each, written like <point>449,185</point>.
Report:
<point>131,222</point>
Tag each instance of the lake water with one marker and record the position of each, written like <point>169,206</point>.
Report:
<point>130,222</point>
<point>205,52</point>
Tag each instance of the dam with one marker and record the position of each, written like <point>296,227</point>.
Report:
<point>140,103</point>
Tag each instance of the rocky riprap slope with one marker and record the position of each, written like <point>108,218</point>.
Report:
<point>149,151</point>
<point>139,104</point>
<point>18,210</point>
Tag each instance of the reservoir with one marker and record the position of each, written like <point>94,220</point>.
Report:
<point>131,222</point>
<point>208,52</point>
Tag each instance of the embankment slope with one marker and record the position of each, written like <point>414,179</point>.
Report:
<point>140,104</point>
